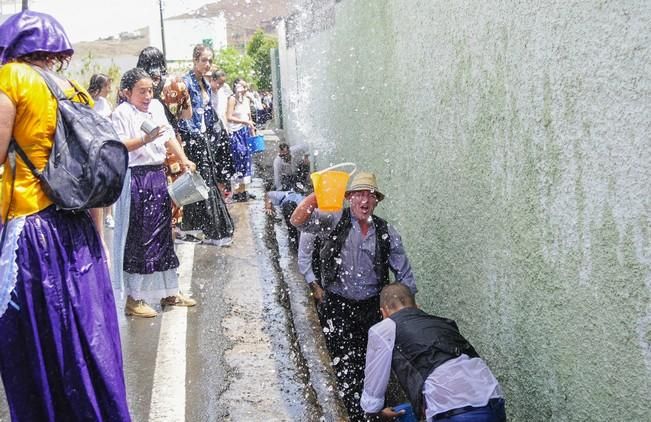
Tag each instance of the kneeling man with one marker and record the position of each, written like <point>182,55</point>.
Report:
<point>439,370</point>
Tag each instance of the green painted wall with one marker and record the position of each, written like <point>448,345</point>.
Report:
<point>512,142</point>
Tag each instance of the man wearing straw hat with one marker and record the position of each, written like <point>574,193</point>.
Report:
<point>359,249</point>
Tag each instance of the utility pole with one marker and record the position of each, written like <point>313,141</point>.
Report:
<point>162,26</point>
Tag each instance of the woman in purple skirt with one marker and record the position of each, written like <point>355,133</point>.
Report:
<point>60,354</point>
<point>147,259</point>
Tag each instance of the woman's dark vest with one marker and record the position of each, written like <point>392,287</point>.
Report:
<point>331,250</point>
<point>423,343</point>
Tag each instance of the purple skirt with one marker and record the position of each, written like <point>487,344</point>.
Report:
<point>150,246</point>
<point>60,355</point>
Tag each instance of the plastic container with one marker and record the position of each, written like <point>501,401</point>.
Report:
<point>409,415</point>
<point>330,187</point>
<point>255,143</point>
<point>188,189</point>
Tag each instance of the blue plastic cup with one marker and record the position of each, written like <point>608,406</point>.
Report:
<point>408,416</point>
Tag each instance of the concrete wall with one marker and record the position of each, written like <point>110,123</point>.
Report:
<point>512,142</point>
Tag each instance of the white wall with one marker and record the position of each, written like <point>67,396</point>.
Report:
<point>181,35</point>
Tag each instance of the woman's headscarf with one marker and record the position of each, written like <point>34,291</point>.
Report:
<point>31,32</point>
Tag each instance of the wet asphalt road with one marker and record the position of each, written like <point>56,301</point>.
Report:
<point>251,349</point>
<point>227,358</point>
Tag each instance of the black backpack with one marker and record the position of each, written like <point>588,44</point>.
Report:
<point>88,162</point>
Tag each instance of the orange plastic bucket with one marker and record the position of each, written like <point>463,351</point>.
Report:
<point>330,187</point>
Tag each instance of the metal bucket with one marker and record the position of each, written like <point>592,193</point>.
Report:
<point>188,189</point>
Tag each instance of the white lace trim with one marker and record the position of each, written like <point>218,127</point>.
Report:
<point>8,264</point>
<point>152,287</point>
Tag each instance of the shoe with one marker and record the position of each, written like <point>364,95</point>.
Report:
<point>109,223</point>
<point>225,242</point>
<point>213,242</point>
<point>197,234</point>
<point>179,300</point>
<point>250,195</point>
<point>138,308</point>
<point>187,238</point>
<point>240,197</point>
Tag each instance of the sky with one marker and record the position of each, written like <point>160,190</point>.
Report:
<point>88,20</point>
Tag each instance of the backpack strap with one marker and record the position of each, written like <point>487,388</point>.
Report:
<point>51,83</point>
<point>26,160</point>
<point>56,90</point>
<point>59,95</point>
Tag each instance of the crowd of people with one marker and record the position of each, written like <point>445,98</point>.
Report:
<point>60,354</point>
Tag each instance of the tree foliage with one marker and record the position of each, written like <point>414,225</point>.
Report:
<point>258,49</point>
<point>254,65</point>
<point>235,64</point>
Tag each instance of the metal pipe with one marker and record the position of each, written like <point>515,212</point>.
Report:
<point>162,26</point>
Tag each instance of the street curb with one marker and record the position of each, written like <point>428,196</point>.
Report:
<point>310,344</point>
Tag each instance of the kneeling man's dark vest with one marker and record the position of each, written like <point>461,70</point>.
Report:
<point>423,343</point>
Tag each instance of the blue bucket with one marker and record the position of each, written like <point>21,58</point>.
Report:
<point>255,143</point>
<point>408,416</point>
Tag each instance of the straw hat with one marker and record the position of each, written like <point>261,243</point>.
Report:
<point>365,181</point>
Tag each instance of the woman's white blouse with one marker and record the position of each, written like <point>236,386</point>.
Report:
<point>127,121</point>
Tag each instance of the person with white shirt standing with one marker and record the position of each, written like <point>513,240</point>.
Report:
<point>98,88</point>
<point>219,95</point>
<point>145,257</point>
<point>439,370</point>
<point>241,126</point>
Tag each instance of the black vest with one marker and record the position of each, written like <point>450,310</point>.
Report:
<point>331,250</point>
<point>423,343</point>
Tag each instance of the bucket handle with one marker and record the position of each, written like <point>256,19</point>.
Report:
<point>353,165</point>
